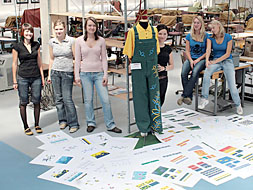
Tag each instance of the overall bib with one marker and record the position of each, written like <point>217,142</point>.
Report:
<point>145,82</point>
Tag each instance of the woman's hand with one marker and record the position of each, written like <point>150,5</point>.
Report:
<point>160,68</point>
<point>15,86</point>
<point>78,82</point>
<point>49,81</point>
<point>105,81</point>
<point>208,63</point>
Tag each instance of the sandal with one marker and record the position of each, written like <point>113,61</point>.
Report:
<point>63,126</point>
<point>28,132</point>
<point>38,129</point>
<point>73,129</point>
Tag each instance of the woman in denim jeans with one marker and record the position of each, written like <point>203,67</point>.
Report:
<point>221,45</point>
<point>91,50</point>
<point>195,63</point>
<point>30,75</point>
<point>61,73</point>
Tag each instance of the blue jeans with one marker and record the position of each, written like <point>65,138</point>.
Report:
<point>89,79</point>
<point>63,85</point>
<point>228,67</point>
<point>23,90</point>
<point>189,83</point>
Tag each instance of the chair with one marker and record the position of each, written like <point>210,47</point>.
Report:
<point>178,31</point>
<point>183,58</point>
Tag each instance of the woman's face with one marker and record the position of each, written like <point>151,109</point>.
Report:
<point>59,30</point>
<point>196,24</point>
<point>28,34</point>
<point>91,27</point>
<point>215,29</point>
<point>162,35</point>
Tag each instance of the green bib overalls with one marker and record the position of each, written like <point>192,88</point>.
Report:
<point>145,82</point>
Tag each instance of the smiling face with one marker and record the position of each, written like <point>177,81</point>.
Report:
<point>215,29</point>
<point>196,24</point>
<point>28,35</point>
<point>162,35</point>
<point>91,27</point>
<point>59,30</point>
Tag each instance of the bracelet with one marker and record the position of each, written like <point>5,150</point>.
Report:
<point>15,83</point>
<point>165,68</point>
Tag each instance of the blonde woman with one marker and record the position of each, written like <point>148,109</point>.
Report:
<point>196,51</point>
<point>221,45</point>
<point>61,72</point>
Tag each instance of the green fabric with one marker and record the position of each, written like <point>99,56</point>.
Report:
<point>149,140</point>
<point>193,9</point>
<point>145,82</point>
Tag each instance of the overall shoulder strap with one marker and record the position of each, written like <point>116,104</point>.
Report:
<point>136,33</point>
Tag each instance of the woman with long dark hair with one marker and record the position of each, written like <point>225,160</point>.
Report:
<point>91,70</point>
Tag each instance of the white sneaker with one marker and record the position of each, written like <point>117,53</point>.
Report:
<point>239,110</point>
<point>203,103</point>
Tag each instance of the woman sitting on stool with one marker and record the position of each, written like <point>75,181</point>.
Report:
<point>221,45</point>
<point>195,63</point>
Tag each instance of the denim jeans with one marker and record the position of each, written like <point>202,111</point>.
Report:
<point>89,79</point>
<point>189,83</point>
<point>228,67</point>
<point>63,85</point>
<point>23,89</point>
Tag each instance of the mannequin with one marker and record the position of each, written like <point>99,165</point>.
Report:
<point>144,23</point>
<point>142,48</point>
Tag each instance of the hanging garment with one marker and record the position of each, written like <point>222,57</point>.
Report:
<point>146,95</point>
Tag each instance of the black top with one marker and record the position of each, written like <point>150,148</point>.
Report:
<point>164,58</point>
<point>28,61</point>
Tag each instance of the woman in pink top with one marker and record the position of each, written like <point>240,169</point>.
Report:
<point>91,69</point>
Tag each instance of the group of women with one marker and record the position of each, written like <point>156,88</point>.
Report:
<point>199,48</point>
<point>90,69</point>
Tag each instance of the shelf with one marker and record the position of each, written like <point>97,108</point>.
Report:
<point>96,16</point>
<point>244,58</point>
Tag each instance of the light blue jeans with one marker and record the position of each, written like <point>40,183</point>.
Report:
<point>89,79</point>
<point>63,85</point>
<point>228,67</point>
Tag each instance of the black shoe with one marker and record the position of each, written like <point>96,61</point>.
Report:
<point>115,130</point>
<point>90,129</point>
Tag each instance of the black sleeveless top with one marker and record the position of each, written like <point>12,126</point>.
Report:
<point>164,58</point>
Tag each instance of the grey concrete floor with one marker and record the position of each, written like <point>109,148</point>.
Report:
<point>11,129</point>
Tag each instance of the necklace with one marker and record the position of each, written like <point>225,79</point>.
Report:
<point>27,44</point>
